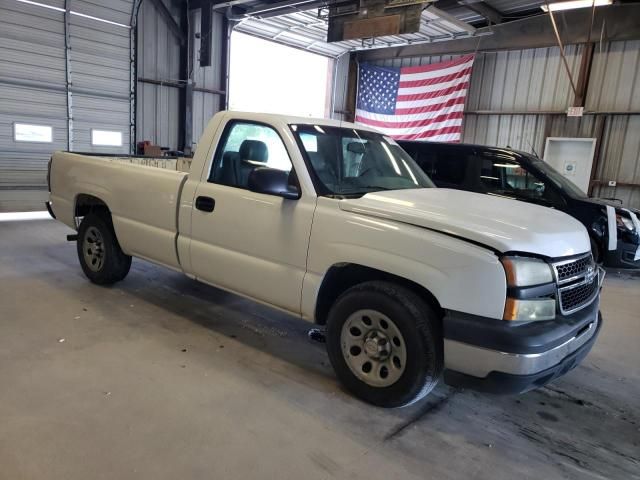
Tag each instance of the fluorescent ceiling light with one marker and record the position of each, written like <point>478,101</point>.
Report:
<point>72,12</point>
<point>99,19</point>
<point>570,5</point>
<point>38,4</point>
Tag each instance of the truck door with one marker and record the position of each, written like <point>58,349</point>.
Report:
<point>250,243</point>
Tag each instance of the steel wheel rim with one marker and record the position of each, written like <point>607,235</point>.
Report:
<point>93,249</point>
<point>373,348</point>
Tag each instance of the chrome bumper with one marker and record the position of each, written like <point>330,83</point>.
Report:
<point>480,362</point>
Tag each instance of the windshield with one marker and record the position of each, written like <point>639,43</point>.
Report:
<point>558,179</point>
<point>354,162</point>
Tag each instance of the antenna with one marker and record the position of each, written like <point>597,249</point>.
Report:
<point>533,150</point>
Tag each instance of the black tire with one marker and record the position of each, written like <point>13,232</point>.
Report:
<point>115,264</point>
<point>421,331</point>
<point>596,251</point>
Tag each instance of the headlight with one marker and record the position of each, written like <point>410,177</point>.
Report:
<point>526,272</point>
<point>529,310</point>
<point>624,222</point>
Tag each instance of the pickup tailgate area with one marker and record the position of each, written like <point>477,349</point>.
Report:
<point>143,201</point>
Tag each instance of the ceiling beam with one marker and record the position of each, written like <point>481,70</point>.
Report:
<point>287,5</point>
<point>533,32</point>
<point>485,10</point>
<point>217,5</point>
<point>447,17</point>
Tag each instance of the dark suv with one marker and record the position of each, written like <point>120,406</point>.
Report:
<point>520,176</point>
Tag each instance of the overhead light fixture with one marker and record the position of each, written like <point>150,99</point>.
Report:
<point>572,4</point>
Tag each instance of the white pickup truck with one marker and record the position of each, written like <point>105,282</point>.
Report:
<point>335,223</point>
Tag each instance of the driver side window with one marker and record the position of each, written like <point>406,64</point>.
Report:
<point>246,146</point>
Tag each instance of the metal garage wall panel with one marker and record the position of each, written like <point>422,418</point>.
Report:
<point>518,80</point>
<point>615,78</point>
<point>576,127</point>
<point>31,43</point>
<point>100,62</point>
<point>158,110</point>
<point>208,77</point>
<point>206,105</point>
<point>101,113</point>
<point>620,158</point>
<point>158,59</point>
<point>26,60</point>
<point>339,88</point>
<point>33,86</point>
<point>532,79</point>
<point>31,53</point>
<point>520,132</point>
<point>158,48</point>
<point>100,56</point>
<point>118,11</point>
<point>32,104</point>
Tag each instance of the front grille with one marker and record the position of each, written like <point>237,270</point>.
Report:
<point>573,268</point>
<point>575,297</point>
<point>577,281</point>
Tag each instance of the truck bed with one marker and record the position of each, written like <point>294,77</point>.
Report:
<point>142,193</point>
<point>181,164</point>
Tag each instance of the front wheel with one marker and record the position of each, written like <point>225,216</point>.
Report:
<point>595,251</point>
<point>101,258</point>
<point>385,344</point>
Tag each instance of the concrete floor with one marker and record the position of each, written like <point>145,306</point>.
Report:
<point>161,377</point>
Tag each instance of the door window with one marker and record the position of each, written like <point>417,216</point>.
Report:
<point>245,147</point>
<point>505,177</point>
<point>447,170</point>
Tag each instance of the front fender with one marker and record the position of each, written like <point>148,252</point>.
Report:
<point>462,276</point>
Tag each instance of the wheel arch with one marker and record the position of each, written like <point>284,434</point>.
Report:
<point>86,203</point>
<point>340,277</point>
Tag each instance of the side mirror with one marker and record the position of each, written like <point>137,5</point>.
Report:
<point>272,181</point>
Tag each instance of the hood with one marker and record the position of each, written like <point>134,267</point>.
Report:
<point>499,223</point>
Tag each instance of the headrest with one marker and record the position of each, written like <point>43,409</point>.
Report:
<point>254,150</point>
<point>356,147</point>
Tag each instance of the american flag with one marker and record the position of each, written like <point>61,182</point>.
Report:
<point>415,103</point>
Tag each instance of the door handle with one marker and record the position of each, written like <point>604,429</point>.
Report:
<point>206,204</point>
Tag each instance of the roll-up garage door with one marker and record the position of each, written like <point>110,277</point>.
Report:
<point>60,89</point>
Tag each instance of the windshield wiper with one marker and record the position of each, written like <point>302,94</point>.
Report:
<point>377,187</point>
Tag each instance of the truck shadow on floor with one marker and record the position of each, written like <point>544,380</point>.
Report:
<point>581,429</point>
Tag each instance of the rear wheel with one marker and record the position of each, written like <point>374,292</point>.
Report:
<point>101,258</point>
<point>385,344</point>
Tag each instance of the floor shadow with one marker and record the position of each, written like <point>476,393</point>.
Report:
<point>257,326</point>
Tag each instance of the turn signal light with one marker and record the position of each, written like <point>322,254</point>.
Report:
<point>529,310</point>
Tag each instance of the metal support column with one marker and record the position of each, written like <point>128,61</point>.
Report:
<point>185,120</point>
<point>352,89</point>
<point>133,75</point>
<point>227,27</point>
<point>67,70</point>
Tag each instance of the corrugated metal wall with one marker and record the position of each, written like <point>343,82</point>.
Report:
<point>36,59</point>
<point>158,106</point>
<point>33,87</point>
<point>206,104</point>
<point>100,73</point>
<point>339,88</point>
<point>518,98</point>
